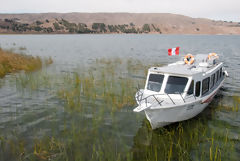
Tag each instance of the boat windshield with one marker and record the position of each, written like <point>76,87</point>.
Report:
<point>155,82</point>
<point>175,84</point>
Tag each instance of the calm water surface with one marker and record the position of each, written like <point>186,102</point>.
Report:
<point>28,114</point>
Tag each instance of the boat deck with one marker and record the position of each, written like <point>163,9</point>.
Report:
<point>201,64</point>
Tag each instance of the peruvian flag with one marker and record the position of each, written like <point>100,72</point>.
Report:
<point>173,51</point>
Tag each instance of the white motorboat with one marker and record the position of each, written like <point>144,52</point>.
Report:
<point>181,90</point>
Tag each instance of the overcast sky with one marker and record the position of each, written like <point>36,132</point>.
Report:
<point>215,9</point>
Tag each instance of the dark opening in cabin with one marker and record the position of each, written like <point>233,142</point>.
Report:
<point>212,81</point>
<point>190,90</point>
<point>205,85</point>
<point>220,72</point>
<point>198,89</point>
<point>217,76</point>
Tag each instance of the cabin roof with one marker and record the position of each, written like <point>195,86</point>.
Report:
<point>180,68</point>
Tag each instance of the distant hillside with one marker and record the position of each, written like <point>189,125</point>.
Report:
<point>161,23</point>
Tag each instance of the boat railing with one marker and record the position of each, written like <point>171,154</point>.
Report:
<point>155,98</point>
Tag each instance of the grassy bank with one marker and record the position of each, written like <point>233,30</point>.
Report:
<point>11,62</point>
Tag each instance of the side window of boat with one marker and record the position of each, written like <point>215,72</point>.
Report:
<point>217,75</point>
<point>198,89</point>
<point>220,72</point>
<point>205,85</point>
<point>212,81</point>
<point>190,90</point>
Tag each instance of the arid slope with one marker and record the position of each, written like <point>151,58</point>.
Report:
<point>164,23</point>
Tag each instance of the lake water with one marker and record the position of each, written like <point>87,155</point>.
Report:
<point>39,117</point>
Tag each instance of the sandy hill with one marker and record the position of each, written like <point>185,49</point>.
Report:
<point>166,23</point>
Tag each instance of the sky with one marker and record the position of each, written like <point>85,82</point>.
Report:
<point>228,10</point>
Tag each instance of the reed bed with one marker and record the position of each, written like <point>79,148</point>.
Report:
<point>190,140</point>
<point>104,82</point>
<point>11,62</point>
<point>97,102</point>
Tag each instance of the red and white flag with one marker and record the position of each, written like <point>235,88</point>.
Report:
<point>173,51</point>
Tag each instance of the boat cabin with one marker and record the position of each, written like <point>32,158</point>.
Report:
<point>197,79</point>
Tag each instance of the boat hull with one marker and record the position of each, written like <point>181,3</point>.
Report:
<point>165,116</point>
<point>160,117</point>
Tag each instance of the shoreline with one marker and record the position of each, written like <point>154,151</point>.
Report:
<point>119,34</point>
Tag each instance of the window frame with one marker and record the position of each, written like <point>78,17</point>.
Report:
<point>198,89</point>
<point>191,86</point>
<point>205,89</point>
<point>212,81</point>
<point>147,83</point>
<point>187,79</point>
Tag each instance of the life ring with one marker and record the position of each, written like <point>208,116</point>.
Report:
<point>189,59</point>
<point>210,55</point>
